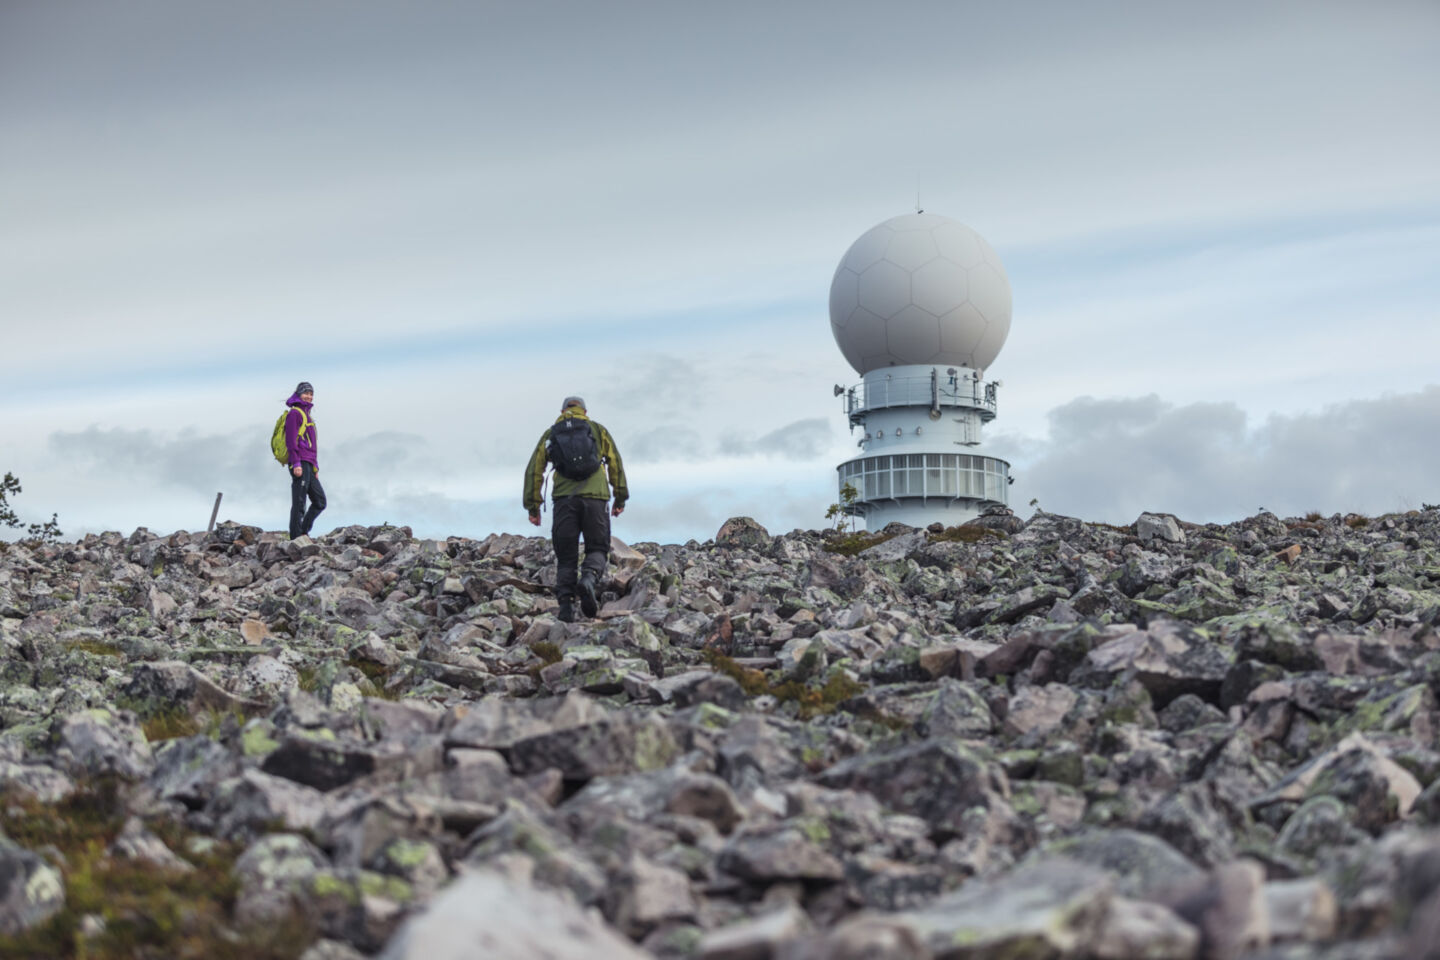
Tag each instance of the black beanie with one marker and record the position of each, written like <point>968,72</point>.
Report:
<point>304,387</point>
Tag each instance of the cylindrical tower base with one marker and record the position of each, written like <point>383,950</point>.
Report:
<point>920,513</point>
<point>919,489</point>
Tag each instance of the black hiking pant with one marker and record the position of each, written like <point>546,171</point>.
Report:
<point>574,517</point>
<point>306,486</point>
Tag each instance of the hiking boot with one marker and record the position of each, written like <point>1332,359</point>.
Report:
<point>566,613</point>
<point>586,588</point>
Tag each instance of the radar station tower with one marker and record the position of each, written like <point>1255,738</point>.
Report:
<point>920,307</point>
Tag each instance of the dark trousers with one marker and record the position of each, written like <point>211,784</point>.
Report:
<point>574,517</point>
<point>307,485</point>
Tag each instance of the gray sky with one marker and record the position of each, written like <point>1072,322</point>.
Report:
<point>1221,223</point>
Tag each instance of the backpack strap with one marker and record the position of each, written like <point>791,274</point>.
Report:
<point>595,429</point>
<point>305,421</point>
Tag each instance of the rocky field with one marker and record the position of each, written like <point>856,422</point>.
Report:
<point>1020,740</point>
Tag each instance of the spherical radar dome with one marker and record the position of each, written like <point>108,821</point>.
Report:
<point>920,288</point>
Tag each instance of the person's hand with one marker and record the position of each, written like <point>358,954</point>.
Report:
<point>616,511</point>
<point>297,471</point>
<point>535,519</point>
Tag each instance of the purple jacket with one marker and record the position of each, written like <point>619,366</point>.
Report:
<point>302,449</point>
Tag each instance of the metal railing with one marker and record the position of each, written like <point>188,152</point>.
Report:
<point>946,476</point>
<point>935,391</point>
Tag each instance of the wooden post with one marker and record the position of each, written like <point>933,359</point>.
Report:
<point>214,513</point>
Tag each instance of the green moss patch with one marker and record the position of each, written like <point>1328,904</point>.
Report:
<point>145,912</point>
<point>968,533</point>
<point>812,698</point>
<point>95,647</point>
<point>547,652</point>
<point>175,722</point>
<point>377,679</point>
<point>852,543</point>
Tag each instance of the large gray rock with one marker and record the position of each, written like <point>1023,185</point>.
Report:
<point>320,759</point>
<point>499,724</point>
<point>168,685</point>
<point>742,532</point>
<point>756,938</point>
<point>1229,908</point>
<point>1137,928</point>
<point>1169,660</point>
<point>949,786</point>
<point>782,852</point>
<point>272,872</point>
<point>1138,863</point>
<point>485,914</point>
<point>1162,527</point>
<point>1051,908</point>
<point>615,744</point>
<point>266,678</point>
<point>645,895</point>
<point>555,862</point>
<point>188,769</point>
<point>100,741</point>
<point>255,802</point>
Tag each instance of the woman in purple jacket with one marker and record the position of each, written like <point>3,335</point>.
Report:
<point>304,465</point>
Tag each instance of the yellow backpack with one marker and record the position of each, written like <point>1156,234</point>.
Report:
<point>278,446</point>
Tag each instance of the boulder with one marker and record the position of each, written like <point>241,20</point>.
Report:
<point>1050,908</point>
<point>742,532</point>
<point>488,914</point>
<point>31,891</point>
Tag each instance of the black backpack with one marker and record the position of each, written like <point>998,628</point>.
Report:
<point>572,449</point>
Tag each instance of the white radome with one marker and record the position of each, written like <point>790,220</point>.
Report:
<point>920,288</point>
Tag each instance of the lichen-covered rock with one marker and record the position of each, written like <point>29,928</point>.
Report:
<point>950,787</point>
<point>321,759</point>
<point>615,744</point>
<point>31,891</point>
<point>1150,526</point>
<point>1137,863</point>
<point>100,741</point>
<point>1229,907</point>
<point>784,853</point>
<point>761,936</point>
<point>1137,928</point>
<point>742,532</point>
<point>555,861</point>
<point>267,678</point>
<point>255,802</point>
<point>1051,908</point>
<point>272,872</point>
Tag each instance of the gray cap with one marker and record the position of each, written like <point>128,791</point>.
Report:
<point>573,402</point>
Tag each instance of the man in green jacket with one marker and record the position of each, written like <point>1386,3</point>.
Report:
<point>583,453</point>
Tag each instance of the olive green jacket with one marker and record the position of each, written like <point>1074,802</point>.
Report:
<point>593,487</point>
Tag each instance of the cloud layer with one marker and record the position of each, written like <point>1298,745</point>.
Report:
<point>1112,459</point>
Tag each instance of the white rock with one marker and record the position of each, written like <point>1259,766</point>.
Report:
<point>1150,526</point>
<point>484,914</point>
<point>267,677</point>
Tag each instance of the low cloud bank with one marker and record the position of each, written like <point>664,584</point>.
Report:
<point>1103,459</point>
<point>1111,459</point>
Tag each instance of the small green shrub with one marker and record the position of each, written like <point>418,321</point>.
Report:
<point>547,652</point>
